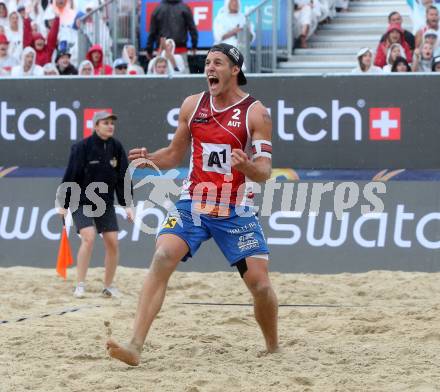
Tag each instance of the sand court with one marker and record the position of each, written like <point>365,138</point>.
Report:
<point>378,331</point>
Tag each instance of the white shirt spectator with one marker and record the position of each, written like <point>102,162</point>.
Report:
<point>422,59</point>
<point>418,16</point>
<point>431,36</point>
<point>228,22</point>
<point>50,69</point>
<point>27,66</point>
<point>14,32</point>
<point>130,56</point>
<point>86,68</point>
<point>66,12</point>
<point>328,8</point>
<point>6,60</point>
<point>365,62</point>
<point>394,51</point>
<point>3,14</point>
<point>306,20</point>
<point>36,13</point>
<point>179,65</point>
<point>163,67</point>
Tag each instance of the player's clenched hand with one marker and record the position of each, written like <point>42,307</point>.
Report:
<point>239,159</point>
<point>138,154</point>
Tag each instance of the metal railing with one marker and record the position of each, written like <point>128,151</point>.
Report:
<point>268,35</point>
<point>124,26</point>
<point>112,25</point>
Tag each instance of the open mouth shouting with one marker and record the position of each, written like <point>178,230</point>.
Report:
<point>213,81</point>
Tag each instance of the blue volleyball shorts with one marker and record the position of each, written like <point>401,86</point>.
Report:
<point>237,232</point>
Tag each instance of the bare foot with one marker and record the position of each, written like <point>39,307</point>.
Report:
<point>129,353</point>
<point>274,350</point>
<point>264,353</point>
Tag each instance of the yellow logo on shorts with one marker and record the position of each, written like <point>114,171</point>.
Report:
<point>170,223</point>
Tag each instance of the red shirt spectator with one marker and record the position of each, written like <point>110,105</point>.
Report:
<point>395,18</point>
<point>95,56</point>
<point>43,48</point>
<point>394,35</point>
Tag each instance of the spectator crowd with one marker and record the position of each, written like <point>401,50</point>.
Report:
<point>40,37</point>
<point>309,14</point>
<point>398,49</point>
<point>401,51</point>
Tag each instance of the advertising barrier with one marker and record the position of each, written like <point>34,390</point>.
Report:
<point>319,122</point>
<point>321,227</point>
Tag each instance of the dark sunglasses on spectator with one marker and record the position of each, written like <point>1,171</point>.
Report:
<point>121,67</point>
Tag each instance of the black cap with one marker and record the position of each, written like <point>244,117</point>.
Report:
<point>62,53</point>
<point>235,56</point>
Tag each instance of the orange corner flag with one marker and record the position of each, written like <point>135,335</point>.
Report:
<point>64,255</point>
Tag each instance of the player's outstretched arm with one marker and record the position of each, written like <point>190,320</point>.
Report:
<point>171,156</point>
<point>260,168</point>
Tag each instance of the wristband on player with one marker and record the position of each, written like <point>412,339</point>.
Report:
<point>261,148</point>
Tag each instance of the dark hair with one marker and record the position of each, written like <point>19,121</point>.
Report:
<point>431,7</point>
<point>391,14</point>
<point>435,61</point>
<point>400,60</point>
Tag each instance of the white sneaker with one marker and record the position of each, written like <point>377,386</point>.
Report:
<point>109,292</point>
<point>80,290</point>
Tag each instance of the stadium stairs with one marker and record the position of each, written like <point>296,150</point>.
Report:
<point>334,45</point>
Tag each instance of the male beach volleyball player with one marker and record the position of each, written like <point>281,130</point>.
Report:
<point>230,135</point>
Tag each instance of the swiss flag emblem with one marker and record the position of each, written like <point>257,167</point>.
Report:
<point>88,119</point>
<point>385,124</point>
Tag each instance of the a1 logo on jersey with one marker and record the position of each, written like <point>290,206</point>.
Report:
<point>217,158</point>
<point>235,119</point>
<point>385,124</point>
<point>88,119</point>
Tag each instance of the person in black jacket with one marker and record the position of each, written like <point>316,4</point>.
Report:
<point>99,159</point>
<point>63,64</point>
<point>172,19</point>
